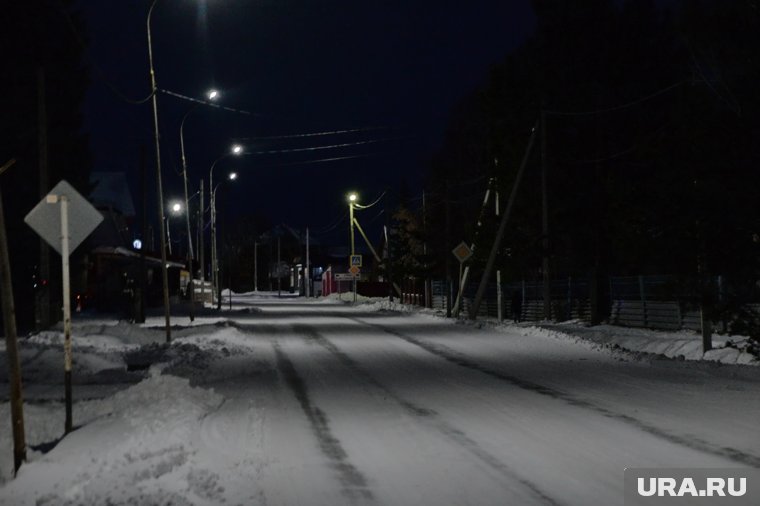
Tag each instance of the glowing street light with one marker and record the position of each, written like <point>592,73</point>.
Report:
<point>212,94</point>
<point>176,207</point>
<point>232,176</point>
<point>352,198</point>
<point>235,150</point>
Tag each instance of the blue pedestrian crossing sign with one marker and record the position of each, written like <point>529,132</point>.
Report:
<point>356,260</point>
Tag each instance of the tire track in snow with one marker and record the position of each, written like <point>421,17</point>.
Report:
<point>352,480</point>
<point>431,416</point>
<point>463,360</point>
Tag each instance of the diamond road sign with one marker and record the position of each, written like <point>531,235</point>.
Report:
<point>354,270</point>
<point>462,252</point>
<point>45,218</point>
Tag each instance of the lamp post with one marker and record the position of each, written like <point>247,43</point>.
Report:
<point>235,150</point>
<point>352,198</point>
<point>153,89</point>
<point>175,209</point>
<point>216,284</point>
<point>211,95</point>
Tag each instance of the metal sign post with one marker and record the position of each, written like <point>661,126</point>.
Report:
<point>462,252</point>
<point>64,227</point>
<point>66,303</point>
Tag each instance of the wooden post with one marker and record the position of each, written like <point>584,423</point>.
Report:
<point>11,345</point>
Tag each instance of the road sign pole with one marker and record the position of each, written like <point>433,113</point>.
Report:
<point>66,306</point>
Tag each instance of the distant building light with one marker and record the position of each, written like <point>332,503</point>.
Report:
<point>137,244</point>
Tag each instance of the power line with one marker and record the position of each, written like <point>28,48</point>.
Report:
<point>208,103</point>
<point>323,160</point>
<point>98,70</point>
<point>621,106</point>
<point>359,206</point>
<point>312,134</point>
<point>317,148</point>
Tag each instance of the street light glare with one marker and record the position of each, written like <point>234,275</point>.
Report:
<point>352,197</point>
<point>237,149</point>
<point>233,176</point>
<point>176,207</point>
<point>212,94</point>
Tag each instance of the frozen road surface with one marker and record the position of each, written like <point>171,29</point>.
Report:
<point>298,403</point>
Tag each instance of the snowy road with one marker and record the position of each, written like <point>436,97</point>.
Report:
<point>296,403</point>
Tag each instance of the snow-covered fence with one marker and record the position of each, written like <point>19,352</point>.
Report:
<point>569,299</point>
<point>651,302</point>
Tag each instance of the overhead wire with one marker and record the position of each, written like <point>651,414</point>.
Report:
<point>325,160</point>
<point>361,207</point>
<point>98,70</point>
<point>318,148</point>
<point>620,106</point>
<point>312,134</point>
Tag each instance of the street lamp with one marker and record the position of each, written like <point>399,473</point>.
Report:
<point>154,90</point>
<point>232,176</point>
<point>211,95</point>
<point>176,208</point>
<point>235,150</point>
<point>352,198</point>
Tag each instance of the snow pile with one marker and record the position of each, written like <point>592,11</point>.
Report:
<point>679,345</point>
<point>100,466</point>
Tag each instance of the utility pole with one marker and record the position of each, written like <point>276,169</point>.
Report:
<point>159,184</point>
<point>11,343</point>
<point>545,223</point>
<point>140,317</point>
<point>447,246</point>
<point>351,229</point>
<point>202,244</point>
<point>372,250</point>
<point>428,298</point>
<point>255,266</point>
<point>465,276</point>
<point>502,227</point>
<point>499,310</point>
<point>279,274</point>
<point>307,277</point>
<point>42,309</point>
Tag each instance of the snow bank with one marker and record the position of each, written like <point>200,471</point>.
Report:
<point>158,412</point>
<point>679,345</point>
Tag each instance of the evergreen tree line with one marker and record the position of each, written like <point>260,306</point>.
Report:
<point>42,90</point>
<point>648,131</point>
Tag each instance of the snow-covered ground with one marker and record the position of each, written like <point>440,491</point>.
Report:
<point>288,401</point>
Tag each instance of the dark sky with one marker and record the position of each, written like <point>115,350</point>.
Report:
<point>395,67</point>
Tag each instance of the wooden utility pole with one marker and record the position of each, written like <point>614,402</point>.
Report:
<point>202,246</point>
<point>307,277</point>
<point>42,299</point>
<point>499,309</point>
<point>465,275</point>
<point>502,227</point>
<point>447,253</point>
<point>11,344</point>
<point>545,223</point>
<point>140,316</point>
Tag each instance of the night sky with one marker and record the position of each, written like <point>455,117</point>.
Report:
<point>393,69</point>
